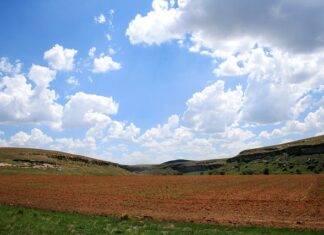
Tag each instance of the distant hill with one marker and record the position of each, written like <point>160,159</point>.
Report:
<point>176,167</point>
<point>38,161</point>
<point>298,157</point>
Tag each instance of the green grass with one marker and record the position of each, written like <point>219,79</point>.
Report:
<point>17,220</point>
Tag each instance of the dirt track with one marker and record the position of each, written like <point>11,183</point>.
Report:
<point>275,201</point>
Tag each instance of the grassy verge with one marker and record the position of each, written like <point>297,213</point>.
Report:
<point>17,220</point>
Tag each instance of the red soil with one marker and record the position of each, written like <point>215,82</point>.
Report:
<point>272,201</point>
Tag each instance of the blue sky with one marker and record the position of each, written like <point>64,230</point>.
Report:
<point>165,79</point>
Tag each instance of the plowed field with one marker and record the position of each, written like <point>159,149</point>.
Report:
<point>272,201</point>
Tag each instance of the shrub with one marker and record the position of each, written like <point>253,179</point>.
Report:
<point>266,171</point>
<point>298,171</point>
<point>248,172</point>
<point>311,167</point>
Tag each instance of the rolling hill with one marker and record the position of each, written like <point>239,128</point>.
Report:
<point>298,157</point>
<point>38,161</point>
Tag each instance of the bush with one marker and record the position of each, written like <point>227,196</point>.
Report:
<point>249,172</point>
<point>266,171</point>
<point>311,167</point>
<point>298,171</point>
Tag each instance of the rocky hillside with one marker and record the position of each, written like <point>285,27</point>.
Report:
<point>305,147</point>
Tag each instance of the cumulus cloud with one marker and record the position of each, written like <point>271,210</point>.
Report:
<point>59,58</point>
<point>261,42</point>
<point>8,68</point>
<point>81,146</point>
<point>313,124</point>
<point>105,129</point>
<point>21,103</point>
<point>105,64</point>
<point>156,27</point>
<point>42,76</point>
<point>36,138</point>
<point>273,76</point>
<point>276,23</point>
<point>172,141</point>
<point>214,108</point>
<point>83,109</point>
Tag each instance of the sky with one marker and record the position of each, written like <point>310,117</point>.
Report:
<point>150,81</point>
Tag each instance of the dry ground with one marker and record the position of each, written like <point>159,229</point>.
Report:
<point>275,201</point>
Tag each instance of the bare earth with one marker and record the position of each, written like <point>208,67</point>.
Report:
<point>273,201</point>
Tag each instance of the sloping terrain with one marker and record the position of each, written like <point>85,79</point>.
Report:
<point>177,167</point>
<point>299,157</point>
<point>38,161</point>
<point>305,147</point>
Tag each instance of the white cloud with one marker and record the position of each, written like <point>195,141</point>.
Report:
<point>276,23</point>
<point>302,105</point>
<point>109,37</point>
<point>105,64</point>
<point>72,81</point>
<point>313,124</point>
<point>106,129</point>
<point>119,130</point>
<point>7,68</point>
<point>81,106</point>
<point>81,146</point>
<point>59,58</point>
<point>260,42</point>
<point>111,51</point>
<point>161,132</point>
<point>100,19</point>
<point>20,103</point>
<point>214,108</point>
<point>35,139</point>
<point>164,23</point>
<point>160,5</point>
<point>92,52</point>
<point>230,67</point>
<point>274,76</point>
<point>42,76</point>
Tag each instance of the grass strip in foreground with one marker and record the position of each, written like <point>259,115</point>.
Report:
<point>18,220</point>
